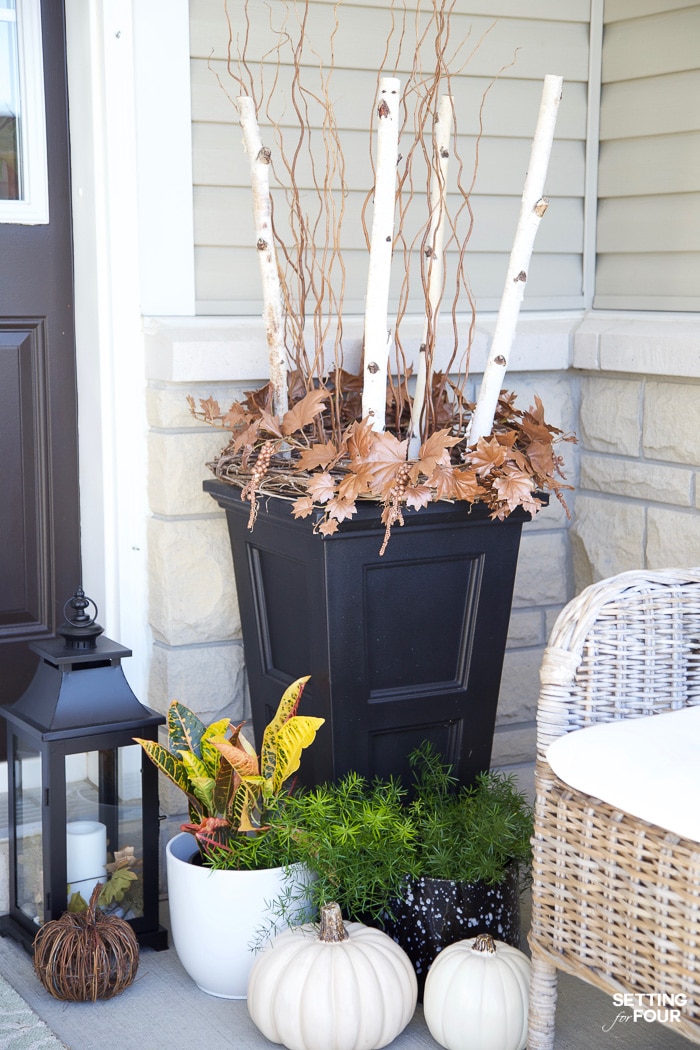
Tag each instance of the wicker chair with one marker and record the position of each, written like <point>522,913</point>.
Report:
<point>615,900</point>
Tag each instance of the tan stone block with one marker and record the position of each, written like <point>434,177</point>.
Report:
<point>610,415</point>
<point>172,801</point>
<point>644,481</point>
<point>520,686</point>
<point>526,627</point>
<point>514,745</point>
<point>673,539</point>
<point>192,591</point>
<point>176,470</point>
<point>168,409</point>
<point>209,679</point>
<point>607,537</point>
<point>551,616</point>
<point>555,391</point>
<point>672,421</point>
<point>541,577</point>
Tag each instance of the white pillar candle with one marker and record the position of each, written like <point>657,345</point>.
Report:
<point>86,856</point>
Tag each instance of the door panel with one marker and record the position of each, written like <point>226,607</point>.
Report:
<point>39,519</point>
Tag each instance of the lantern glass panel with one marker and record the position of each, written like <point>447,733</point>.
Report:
<point>29,867</point>
<point>104,833</point>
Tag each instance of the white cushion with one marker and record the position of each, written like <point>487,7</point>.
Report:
<point>648,767</point>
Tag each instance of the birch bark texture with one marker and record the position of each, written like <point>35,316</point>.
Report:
<point>436,265</point>
<point>273,309</point>
<point>532,207</point>
<point>377,332</point>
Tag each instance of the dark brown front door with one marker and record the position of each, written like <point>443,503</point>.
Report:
<point>39,516</point>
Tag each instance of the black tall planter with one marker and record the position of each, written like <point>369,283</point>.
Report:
<point>400,648</point>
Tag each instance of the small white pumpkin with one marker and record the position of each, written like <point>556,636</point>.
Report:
<point>347,987</point>
<point>476,996</point>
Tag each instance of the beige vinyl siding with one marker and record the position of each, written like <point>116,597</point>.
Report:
<point>648,232</point>
<point>553,38</point>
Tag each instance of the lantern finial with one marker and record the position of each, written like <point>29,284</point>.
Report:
<point>80,630</point>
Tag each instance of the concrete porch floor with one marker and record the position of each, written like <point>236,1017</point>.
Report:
<point>164,1010</point>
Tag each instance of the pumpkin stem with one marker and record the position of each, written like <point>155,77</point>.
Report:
<point>484,943</point>
<point>92,906</point>
<point>332,926</point>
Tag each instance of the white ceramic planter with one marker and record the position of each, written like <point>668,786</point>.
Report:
<point>215,917</point>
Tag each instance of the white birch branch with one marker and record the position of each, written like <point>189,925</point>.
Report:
<point>436,267</point>
<point>532,208</point>
<point>377,334</point>
<point>273,310</point>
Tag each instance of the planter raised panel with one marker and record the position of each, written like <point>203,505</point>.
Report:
<point>401,648</point>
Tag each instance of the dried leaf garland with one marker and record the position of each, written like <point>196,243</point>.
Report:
<point>305,457</point>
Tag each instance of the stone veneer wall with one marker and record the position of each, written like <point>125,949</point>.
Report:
<point>198,652</point>
<point>638,495</point>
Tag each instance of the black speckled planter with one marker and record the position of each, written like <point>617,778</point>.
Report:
<point>437,912</point>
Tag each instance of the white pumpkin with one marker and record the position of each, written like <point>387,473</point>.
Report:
<point>476,996</point>
<point>347,987</point>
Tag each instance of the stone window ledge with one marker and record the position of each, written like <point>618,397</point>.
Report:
<point>639,343</point>
<point>226,349</point>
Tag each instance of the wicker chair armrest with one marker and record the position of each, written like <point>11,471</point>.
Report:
<point>624,647</point>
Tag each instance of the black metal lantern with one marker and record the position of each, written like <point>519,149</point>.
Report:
<point>83,799</point>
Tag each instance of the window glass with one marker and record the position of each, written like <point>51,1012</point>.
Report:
<point>23,174</point>
<point>10,171</point>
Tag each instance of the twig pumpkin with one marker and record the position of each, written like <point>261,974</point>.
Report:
<point>476,996</point>
<point>348,986</point>
<point>86,956</point>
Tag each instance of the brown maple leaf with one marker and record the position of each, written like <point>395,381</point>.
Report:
<point>302,507</point>
<point>506,438</point>
<point>123,858</point>
<point>541,456</point>
<point>514,489</point>
<point>385,456</point>
<point>259,400</point>
<point>340,509</point>
<point>319,455</point>
<point>435,450</point>
<point>359,438</point>
<point>487,455</point>
<point>465,486</point>
<point>236,416</point>
<point>347,381</point>
<point>304,412</point>
<point>270,424</point>
<point>356,483</point>
<point>441,480</point>
<point>321,487</point>
<point>246,437</point>
<point>327,527</point>
<point>418,496</point>
<point>209,410</point>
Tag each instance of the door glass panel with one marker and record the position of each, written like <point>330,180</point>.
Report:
<point>23,170</point>
<point>10,169</point>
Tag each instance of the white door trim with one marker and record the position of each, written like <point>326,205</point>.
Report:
<point>128,82</point>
